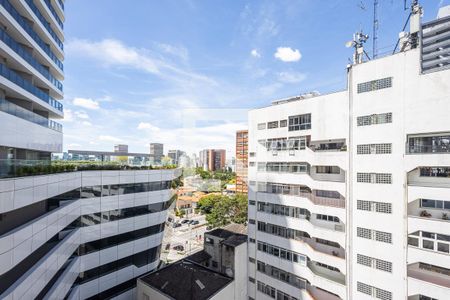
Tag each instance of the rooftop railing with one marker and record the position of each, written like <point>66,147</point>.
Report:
<point>54,13</point>
<point>44,22</point>
<point>28,86</point>
<point>27,27</point>
<point>20,112</point>
<point>8,40</point>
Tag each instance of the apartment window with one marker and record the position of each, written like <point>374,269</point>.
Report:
<point>251,221</point>
<point>413,241</point>
<point>251,202</point>
<point>379,178</point>
<point>252,154</point>
<point>364,260</point>
<point>300,122</point>
<point>283,253</point>
<point>283,123</point>
<point>374,119</point>
<point>429,144</point>
<point>272,125</point>
<point>261,126</point>
<point>327,218</point>
<point>373,291</point>
<point>251,240</point>
<point>438,204</point>
<point>363,205</point>
<point>266,289</point>
<point>251,164</point>
<point>251,259</point>
<point>251,279</point>
<point>328,170</point>
<point>374,85</point>
<point>364,233</point>
<point>328,194</point>
<point>383,207</point>
<point>422,297</point>
<point>384,237</point>
<point>374,149</point>
<point>374,263</point>
<point>435,172</point>
<point>443,247</point>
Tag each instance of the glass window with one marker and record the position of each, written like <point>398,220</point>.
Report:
<point>428,244</point>
<point>443,247</point>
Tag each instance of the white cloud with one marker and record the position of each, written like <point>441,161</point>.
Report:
<point>270,89</point>
<point>86,123</point>
<point>147,126</point>
<point>287,54</point>
<point>255,53</point>
<point>180,52</point>
<point>82,115</point>
<point>73,145</point>
<point>108,138</point>
<point>111,52</point>
<point>86,103</point>
<point>291,77</point>
<point>68,115</point>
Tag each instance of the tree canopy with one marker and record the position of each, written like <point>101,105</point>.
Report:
<point>221,210</point>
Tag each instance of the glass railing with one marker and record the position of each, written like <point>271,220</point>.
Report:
<point>44,22</point>
<point>29,58</point>
<point>61,4</point>
<point>15,14</point>
<point>13,167</point>
<point>53,11</point>
<point>28,86</point>
<point>20,112</point>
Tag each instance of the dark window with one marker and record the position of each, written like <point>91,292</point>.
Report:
<point>300,122</point>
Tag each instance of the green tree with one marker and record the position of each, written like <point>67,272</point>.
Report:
<point>221,210</point>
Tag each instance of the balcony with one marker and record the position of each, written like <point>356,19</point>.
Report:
<point>44,23</point>
<point>8,40</point>
<point>435,176</point>
<point>428,144</point>
<point>431,274</point>
<point>328,145</point>
<point>29,87</point>
<point>20,112</point>
<point>25,26</point>
<point>54,13</point>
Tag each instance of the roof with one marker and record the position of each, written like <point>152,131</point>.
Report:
<point>199,256</point>
<point>233,234</point>
<point>186,280</point>
<point>109,153</point>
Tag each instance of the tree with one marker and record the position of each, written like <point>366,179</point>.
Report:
<point>221,210</point>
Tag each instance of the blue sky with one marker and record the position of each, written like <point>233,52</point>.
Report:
<point>185,72</point>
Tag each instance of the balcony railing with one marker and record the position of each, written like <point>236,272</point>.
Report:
<point>429,273</point>
<point>61,4</point>
<point>28,86</point>
<point>44,22</point>
<point>54,13</point>
<point>27,27</point>
<point>20,112</point>
<point>8,40</point>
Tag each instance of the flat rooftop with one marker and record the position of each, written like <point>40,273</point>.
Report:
<point>233,234</point>
<point>109,153</point>
<point>185,280</point>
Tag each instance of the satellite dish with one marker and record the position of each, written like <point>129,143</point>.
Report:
<point>349,44</point>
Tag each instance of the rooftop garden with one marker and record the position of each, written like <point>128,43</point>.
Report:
<point>33,168</point>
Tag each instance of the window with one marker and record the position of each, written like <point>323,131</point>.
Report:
<point>384,237</point>
<point>379,178</point>
<point>413,241</point>
<point>251,202</point>
<point>328,170</point>
<point>443,247</point>
<point>283,123</point>
<point>251,259</point>
<point>374,119</point>
<point>381,207</point>
<point>300,122</point>
<point>374,263</point>
<point>364,233</point>
<point>435,172</point>
<point>374,85</point>
<point>373,291</point>
<point>429,144</point>
<point>327,218</point>
<point>251,279</point>
<point>272,125</point>
<point>363,205</point>
<point>438,204</point>
<point>251,240</point>
<point>251,221</point>
<point>261,126</point>
<point>282,253</point>
<point>252,154</point>
<point>426,244</point>
<point>251,164</point>
<point>374,149</point>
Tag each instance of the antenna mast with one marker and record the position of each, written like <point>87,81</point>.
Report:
<point>375,30</point>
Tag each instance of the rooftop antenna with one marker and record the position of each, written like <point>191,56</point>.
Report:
<point>358,41</point>
<point>375,30</point>
<point>410,40</point>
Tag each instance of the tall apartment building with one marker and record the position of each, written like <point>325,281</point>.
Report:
<point>241,161</point>
<point>157,152</point>
<point>349,192</point>
<point>77,234</point>
<point>175,156</point>
<point>121,148</point>
<point>212,159</point>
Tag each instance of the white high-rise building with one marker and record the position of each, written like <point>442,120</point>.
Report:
<point>73,234</point>
<point>349,192</point>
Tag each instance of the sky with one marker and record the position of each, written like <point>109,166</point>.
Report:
<point>185,72</point>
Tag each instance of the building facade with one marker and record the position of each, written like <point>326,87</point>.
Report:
<point>349,192</point>
<point>31,74</point>
<point>241,161</point>
<point>157,152</point>
<point>212,159</point>
<point>175,156</point>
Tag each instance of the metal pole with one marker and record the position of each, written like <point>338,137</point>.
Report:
<point>375,30</point>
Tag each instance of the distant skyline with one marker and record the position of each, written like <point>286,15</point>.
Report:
<point>185,73</point>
